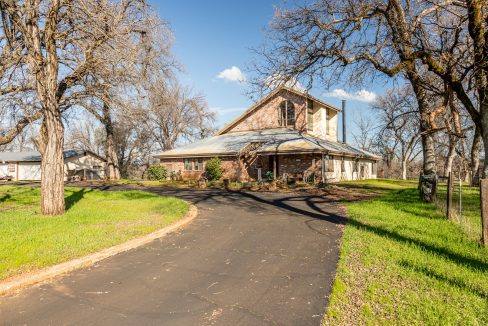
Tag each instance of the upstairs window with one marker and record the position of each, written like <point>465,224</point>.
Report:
<point>287,114</point>
<point>309,114</point>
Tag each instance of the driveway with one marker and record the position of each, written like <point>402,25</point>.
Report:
<point>247,259</point>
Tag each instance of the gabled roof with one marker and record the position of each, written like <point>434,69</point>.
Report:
<point>35,156</point>
<point>256,105</point>
<point>271,141</point>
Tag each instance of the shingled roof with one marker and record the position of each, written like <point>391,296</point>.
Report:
<point>35,156</point>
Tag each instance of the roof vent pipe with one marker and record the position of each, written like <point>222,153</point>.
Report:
<point>344,139</point>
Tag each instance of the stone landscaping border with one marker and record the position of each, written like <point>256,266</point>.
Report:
<point>21,281</point>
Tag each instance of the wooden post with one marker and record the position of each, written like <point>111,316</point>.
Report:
<point>449,196</point>
<point>484,210</point>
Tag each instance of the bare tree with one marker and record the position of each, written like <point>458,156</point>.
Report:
<point>364,134</point>
<point>174,114</point>
<point>332,39</point>
<point>51,48</point>
<point>398,115</point>
<point>452,41</point>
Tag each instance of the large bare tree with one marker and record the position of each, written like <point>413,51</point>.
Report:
<point>51,48</point>
<point>452,41</point>
<point>329,40</point>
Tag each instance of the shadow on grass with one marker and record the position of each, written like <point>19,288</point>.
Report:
<point>5,198</point>
<point>407,201</point>
<point>136,195</point>
<point>75,197</point>
<point>456,282</point>
<point>460,259</point>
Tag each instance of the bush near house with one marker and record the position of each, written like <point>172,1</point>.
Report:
<point>157,173</point>
<point>94,220</point>
<point>213,169</point>
<point>402,262</point>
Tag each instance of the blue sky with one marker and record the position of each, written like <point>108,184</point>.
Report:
<point>215,35</point>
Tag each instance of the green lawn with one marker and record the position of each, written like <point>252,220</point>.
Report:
<point>469,218</point>
<point>94,220</point>
<point>402,262</point>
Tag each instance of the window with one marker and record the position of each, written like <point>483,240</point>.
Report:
<point>287,114</point>
<point>327,121</point>
<point>330,163</point>
<point>343,166</point>
<point>11,167</point>
<point>188,164</point>
<point>309,114</point>
<point>356,166</point>
<point>374,168</point>
<point>199,164</point>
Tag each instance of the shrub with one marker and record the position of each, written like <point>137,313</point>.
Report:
<point>269,175</point>
<point>157,172</point>
<point>213,169</point>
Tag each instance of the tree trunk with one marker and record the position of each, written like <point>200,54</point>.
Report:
<point>428,178</point>
<point>404,168</point>
<point>450,155</point>
<point>484,133</point>
<point>475,157</point>
<point>112,171</point>
<point>52,164</point>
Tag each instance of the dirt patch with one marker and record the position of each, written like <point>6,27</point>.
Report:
<point>338,193</point>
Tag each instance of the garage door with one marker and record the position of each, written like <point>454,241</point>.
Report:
<point>3,169</point>
<point>29,171</point>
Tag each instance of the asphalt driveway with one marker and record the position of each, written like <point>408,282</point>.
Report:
<point>247,259</point>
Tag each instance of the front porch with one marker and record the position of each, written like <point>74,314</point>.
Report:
<point>299,167</point>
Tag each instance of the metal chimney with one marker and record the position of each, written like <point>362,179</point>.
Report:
<point>344,139</point>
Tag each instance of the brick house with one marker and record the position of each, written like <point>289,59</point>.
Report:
<point>287,133</point>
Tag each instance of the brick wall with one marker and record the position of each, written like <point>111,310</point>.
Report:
<point>229,167</point>
<point>267,115</point>
<point>294,166</point>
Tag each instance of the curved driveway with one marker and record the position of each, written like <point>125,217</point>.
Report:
<point>247,259</point>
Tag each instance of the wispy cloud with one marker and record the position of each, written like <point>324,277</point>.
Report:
<point>232,74</point>
<point>361,95</point>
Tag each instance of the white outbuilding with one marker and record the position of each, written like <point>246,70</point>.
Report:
<point>79,164</point>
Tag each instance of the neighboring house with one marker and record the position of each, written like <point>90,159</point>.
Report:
<point>83,165</point>
<point>288,134</point>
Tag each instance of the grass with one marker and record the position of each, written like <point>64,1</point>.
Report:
<point>469,217</point>
<point>94,220</point>
<point>403,263</point>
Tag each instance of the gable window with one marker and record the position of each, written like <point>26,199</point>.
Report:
<point>309,114</point>
<point>188,164</point>
<point>287,114</point>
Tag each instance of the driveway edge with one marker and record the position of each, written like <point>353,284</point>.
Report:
<point>7,287</point>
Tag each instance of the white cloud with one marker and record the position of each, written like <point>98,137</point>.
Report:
<point>233,74</point>
<point>362,95</point>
